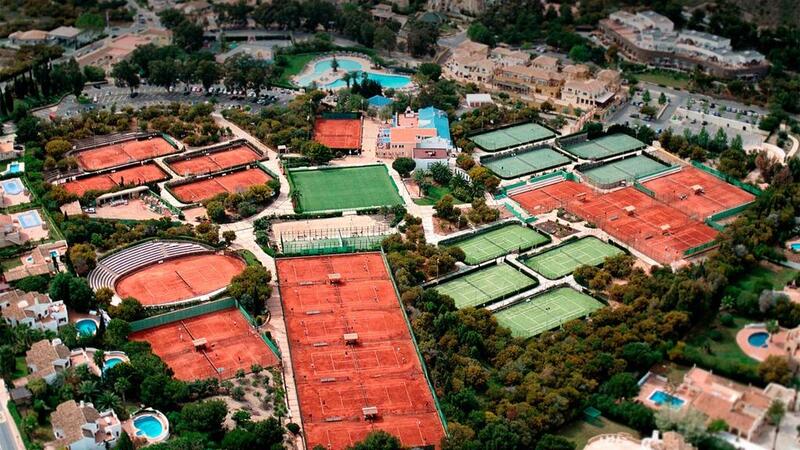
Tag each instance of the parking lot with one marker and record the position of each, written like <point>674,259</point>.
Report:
<point>108,96</point>
<point>687,111</point>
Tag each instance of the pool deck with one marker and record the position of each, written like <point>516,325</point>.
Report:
<point>328,76</point>
<point>14,199</point>
<point>775,344</point>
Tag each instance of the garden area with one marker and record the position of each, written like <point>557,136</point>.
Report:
<point>665,78</point>
<point>580,431</point>
<point>714,347</point>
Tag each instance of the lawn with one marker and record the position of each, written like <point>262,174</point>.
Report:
<point>435,193</point>
<point>21,368</point>
<point>761,278</point>
<point>250,258</point>
<point>714,347</point>
<point>665,78</point>
<point>295,64</point>
<point>343,188</point>
<point>11,263</point>
<point>580,431</point>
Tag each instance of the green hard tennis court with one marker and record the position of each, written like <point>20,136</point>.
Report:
<point>605,147</point>
<point>546,311</point>
<point>494,243</point>
<point>485,286</point>
<point>524,163</point>
<point>563,260</point>
<point>493,141</point>
<point>627,169</point>
<point>344,188</point>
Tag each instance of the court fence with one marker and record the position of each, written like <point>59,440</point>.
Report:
<point>272,346</point>
<point>700,248</point>
<point>182,314</point>
<point>640,187</point>
<point>727,178</point>
<point>714,220</point>
<point>497,225</point>
<point>170,141</point>
<point>416,345</point>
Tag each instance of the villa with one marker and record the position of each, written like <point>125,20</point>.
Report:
<point>117,49</point>
<point>743,408</point>
<point>46,359</point>
<point>10,232</point>
<point>650,38</point>
<point>8,147</point>
<point>42,260</point>
<point>423,136</point>
<point>29,37</point>
<point>541,79</point>
<point>33,309</point>
<point>671,440</point>
<point>79,426</point>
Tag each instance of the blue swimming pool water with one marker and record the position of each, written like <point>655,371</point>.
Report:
<point>758,339</point>
<point>385,80</point>
<point>13,167</point>
<point>661,397</point>
<point>12,187</point>
<point>796,247</point>
<point>345,65</point>
<point>29,219</point>
<point>111,362</point>
<point>86,327</point>
<point>148,426</point>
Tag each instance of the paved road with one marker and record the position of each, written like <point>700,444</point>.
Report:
<point>10,438</point>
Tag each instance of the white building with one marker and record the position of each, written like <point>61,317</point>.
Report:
<point>47,359</point>
<point>79,426</point>
<point>33,309</point>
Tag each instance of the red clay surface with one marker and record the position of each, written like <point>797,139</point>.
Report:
<point>213,162</point>
<point>339,134</point>
<point>642,230</point>
<point>179,278</point>
<point>231,345</point>
<point>132,176</point>
<point>233,182</point>
<point>335,381</point>
<point>676,190</point>
<point>123,153</point>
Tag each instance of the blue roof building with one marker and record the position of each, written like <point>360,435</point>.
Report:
<point>431,117</point>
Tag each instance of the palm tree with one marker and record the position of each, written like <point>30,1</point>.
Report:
<point>347,78</point>
<point>295,197</point>
<point>335,64</point>
<point>121,386</point>
<point>87,390</point>
<point>772,328</point>
<point>108,400</point>
<point>775,415</point>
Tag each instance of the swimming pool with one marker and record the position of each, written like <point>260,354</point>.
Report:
<point>13,186</point>
<point>14,167</point>
<point>660,397</point>
<point>111,362</point>
<point>758,339</point>
<point>148,426</point>
<point>796,247</point>
<point>345,65</point>
<point>384,79</point>
<point>86,327</point>
<point>29,219</point>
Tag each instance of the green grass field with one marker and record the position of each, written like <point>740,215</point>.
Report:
<point>498,242</point>
<point>665,78</point>
<point>344,188</point>
<point>627,169</point>
<point>562,261</point>
<point>295,65</point>
<point>605,147</point>
<point>526,163</point>
<point>435,193</point>
<point>485,285</point>
<point>493,141</point>
<point>547,311</point>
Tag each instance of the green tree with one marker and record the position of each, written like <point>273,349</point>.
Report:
<point>431,71</point>
<point>116,334</point>
<point>479,33</point>
<point>129,310</point>
<point>446,210</point>
<point>775,415</point>
<point>229,236</point>
<point>90,21</point>
<point>204,416</point>
<point>551,442</point>
<point>163,73</point>
<point>208,73</point>
<point>775,369</point>
<point>252,289</point>
<point>126,75</point>
<point>378,440</point>
<point>83,258</point>
<point>8,362</point>
<point>580,53</point>
<point>316,152</point>
<point>646,96</point>
<point>93,73</point>
<point>404,166</point>
<point>385,39</point>
<point>662,99</point>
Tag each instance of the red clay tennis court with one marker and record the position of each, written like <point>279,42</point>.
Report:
<point>630,216</point>
<point>179,279</point>
<point>206,188</point>
<point>123,152</point>
<point>377,367</point>
<point>214,162</point>
<point>714,195</point>
<point>231,344</point>
<point>131,176</point>
<point>338,134</point>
